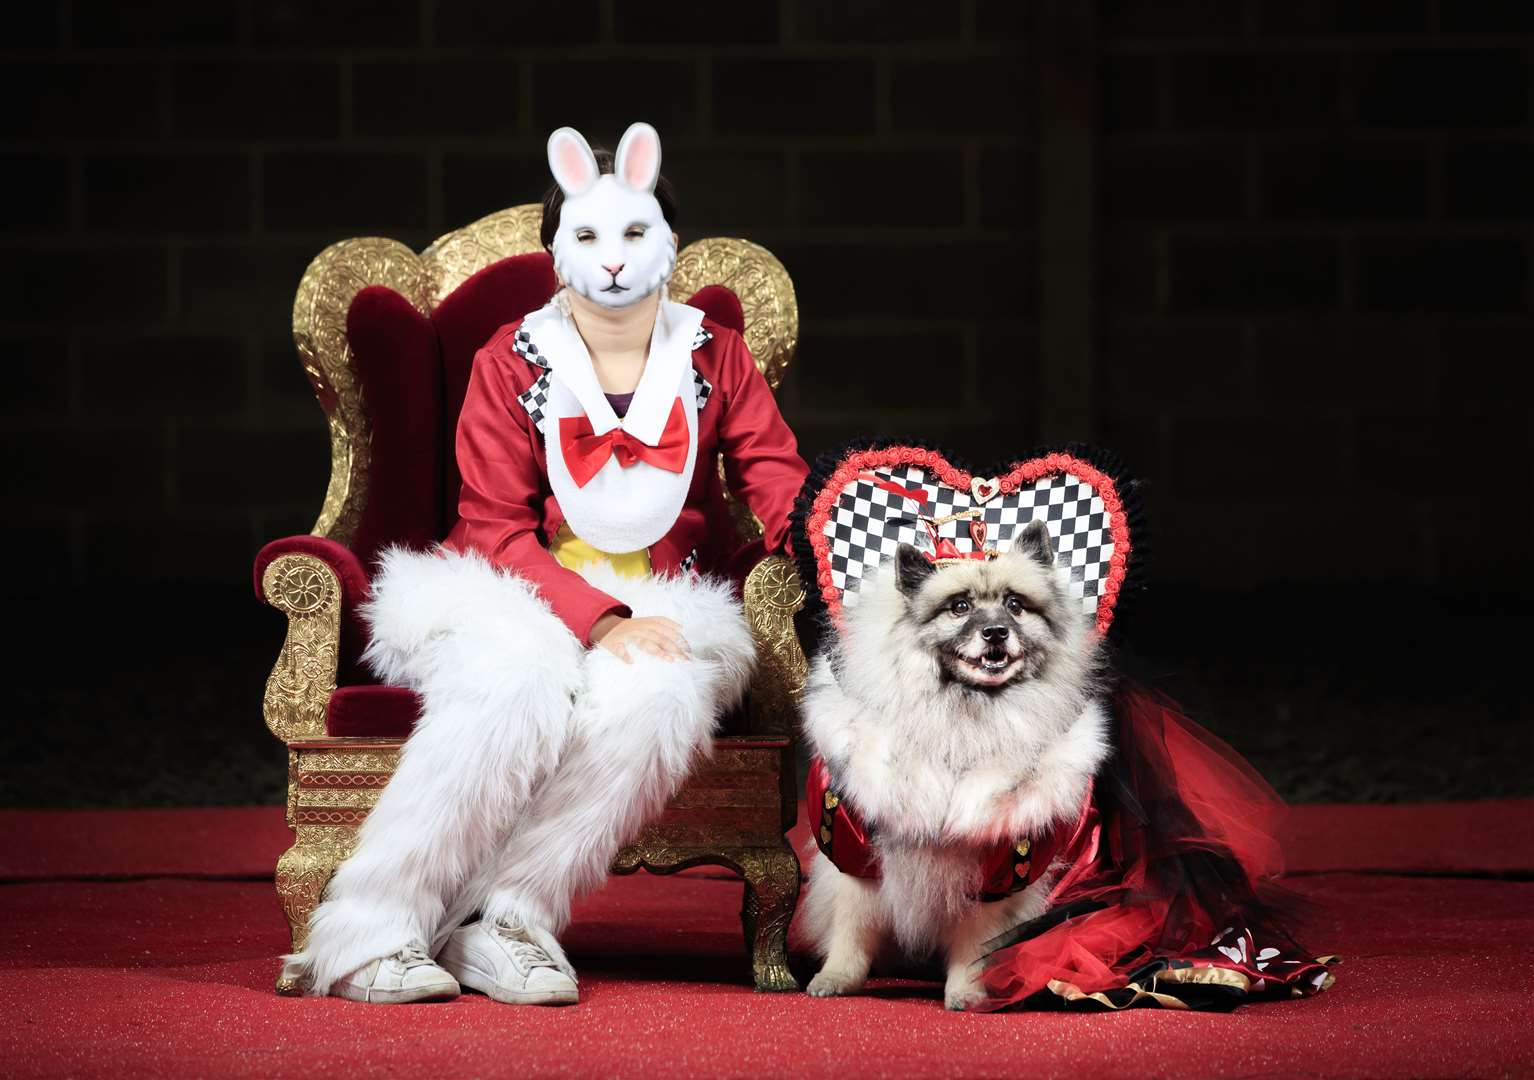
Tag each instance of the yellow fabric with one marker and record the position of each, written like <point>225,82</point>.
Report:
<point>574,553</point>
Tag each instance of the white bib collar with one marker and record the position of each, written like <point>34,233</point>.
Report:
<point>560,345</point>
<point>619,509</point>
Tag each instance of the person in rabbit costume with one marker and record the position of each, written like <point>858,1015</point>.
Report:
<point>570,650</point>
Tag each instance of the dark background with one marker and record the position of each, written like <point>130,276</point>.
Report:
<point>1274,252</point>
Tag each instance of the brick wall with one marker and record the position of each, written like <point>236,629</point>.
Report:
<point>175,168</point>
<point>1316,292</point>
<point>1313,244</point>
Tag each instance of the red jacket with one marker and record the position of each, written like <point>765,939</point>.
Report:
<point>507,512</point>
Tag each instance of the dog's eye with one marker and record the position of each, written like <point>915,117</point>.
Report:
<point>586,236</point>
<point>635,232</point>
<point>960,606</point>
<point>1016,605</point>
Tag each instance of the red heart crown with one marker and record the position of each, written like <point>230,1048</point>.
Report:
<point>945,550</point>
<point>859,501</point>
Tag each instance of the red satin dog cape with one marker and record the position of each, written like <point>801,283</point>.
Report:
<point>1161,884</point>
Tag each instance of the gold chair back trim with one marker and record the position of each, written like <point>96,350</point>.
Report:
<point>344,269</point>
<point>766,294</point>
<point>324,297</point>
<point>455,257</point>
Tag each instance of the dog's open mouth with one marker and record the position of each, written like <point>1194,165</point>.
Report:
<point>991,668</point>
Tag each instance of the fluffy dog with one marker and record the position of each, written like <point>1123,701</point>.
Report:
<point>959,707</point>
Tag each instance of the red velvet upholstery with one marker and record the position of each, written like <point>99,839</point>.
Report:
<point>398,363</point>
<point>414,373</point>
<point>500,293</point>
<point>375,712</point>
<point>354,590</point>
<point>354,579</point>
<point>721,305</point>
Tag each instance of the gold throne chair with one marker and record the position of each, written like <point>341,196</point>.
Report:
<point>386,338</point>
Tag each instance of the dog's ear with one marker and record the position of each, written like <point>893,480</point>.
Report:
<point>911,569</point>
<point>1035,543</point>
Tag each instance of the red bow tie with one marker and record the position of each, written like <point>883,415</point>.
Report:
<point>586,453</point>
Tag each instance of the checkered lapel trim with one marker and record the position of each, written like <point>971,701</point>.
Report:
<point>536,396</point>
<point>522,345</point>
<point>702,385</point>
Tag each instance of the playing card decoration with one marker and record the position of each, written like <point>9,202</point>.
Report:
<point>862,502</point>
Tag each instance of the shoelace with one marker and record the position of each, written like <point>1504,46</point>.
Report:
<point>526,955</point>
<point>412,955</point>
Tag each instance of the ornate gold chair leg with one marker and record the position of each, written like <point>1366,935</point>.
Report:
<point>332,784</point>
<point>772,890</point>
<point>303,871</point>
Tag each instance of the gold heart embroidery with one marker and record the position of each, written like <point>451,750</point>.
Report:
<point>983,488</point>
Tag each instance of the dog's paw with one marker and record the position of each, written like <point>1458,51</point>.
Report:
<point>833,984</point>
<point>963,997</point>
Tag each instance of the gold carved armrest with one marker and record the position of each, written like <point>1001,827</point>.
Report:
<point>308,592</point>
<point>774,594</point>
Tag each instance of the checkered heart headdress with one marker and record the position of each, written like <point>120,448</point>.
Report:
<point>860,503</point>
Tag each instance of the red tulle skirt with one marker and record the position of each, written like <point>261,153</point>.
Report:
<point>1164,895</point>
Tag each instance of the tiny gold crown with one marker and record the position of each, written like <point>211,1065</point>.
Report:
<point>986,555</point>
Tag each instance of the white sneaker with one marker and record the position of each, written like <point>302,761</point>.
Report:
<point>502,960</point>
<point>409,975</point>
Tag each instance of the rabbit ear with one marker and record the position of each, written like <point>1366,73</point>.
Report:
<point>571,161</point>
<point>638,160</point>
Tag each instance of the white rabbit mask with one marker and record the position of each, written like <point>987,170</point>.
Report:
<point>613,245</point>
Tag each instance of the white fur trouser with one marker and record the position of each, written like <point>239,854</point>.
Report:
<point>534,759</point>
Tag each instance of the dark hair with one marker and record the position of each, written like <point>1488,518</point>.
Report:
<point>554,198</point>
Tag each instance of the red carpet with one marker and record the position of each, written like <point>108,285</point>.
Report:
<point>133,945</point>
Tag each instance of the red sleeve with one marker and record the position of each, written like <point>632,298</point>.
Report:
<point>761,457</point>
<point>503,490</point>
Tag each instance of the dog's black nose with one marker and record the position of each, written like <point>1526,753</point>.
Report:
<point>995,633</point>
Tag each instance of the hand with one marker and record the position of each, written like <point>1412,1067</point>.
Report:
<point>655,635</point>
